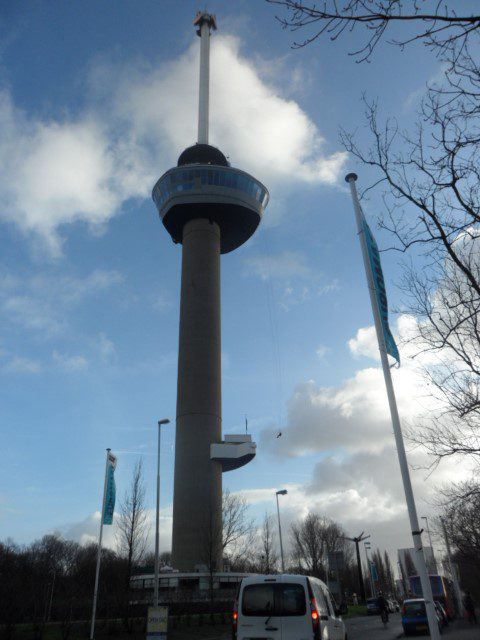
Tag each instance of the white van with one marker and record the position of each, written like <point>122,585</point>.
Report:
<point>286,607</point>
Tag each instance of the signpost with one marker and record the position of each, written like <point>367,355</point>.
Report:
<point>157,623</point>
<point>336,564</point>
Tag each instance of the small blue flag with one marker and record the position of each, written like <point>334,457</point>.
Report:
<point>380,292</point>
<point>110,493</point>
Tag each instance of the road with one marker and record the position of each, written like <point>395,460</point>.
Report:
<point>361,628</point>
<point>371,628</point>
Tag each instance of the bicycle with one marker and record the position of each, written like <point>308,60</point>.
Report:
<point>384,617</point>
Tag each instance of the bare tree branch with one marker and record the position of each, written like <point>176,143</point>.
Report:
<point>439,28</point>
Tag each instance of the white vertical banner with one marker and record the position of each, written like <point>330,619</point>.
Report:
<point>376,298</point>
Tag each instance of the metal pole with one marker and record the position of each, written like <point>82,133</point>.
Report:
<point>280,535</point>
<point>157,521</point>
<point>453,573</point>
<point>397,429</point>
<point>372,588</point>
<point>157,517</point>
<point>203,98</point>
<point>360,572</point>
<point>99,553</point>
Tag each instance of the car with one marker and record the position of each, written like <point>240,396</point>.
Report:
<point>442,613</point>
<point>414,616</point>
<point>391,606</point>
<point>372,607</point>
<point>396,606</point>
<point>286,607</point>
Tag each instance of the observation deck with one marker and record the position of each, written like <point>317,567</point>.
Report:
<point>205,186</point>
<point>234,452</point>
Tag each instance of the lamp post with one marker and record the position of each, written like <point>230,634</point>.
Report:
<point>357,541</point>
<point>368,546</point>
<point>157,517</point>
<point>431,545</point>
<point>282,492</point>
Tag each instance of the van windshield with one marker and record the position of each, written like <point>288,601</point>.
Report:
<point>274,600</point>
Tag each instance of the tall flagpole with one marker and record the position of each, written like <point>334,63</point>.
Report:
<point>99,553</point>
<point>397,429</point>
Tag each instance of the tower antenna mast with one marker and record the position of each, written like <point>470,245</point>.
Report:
<point>205,23</point>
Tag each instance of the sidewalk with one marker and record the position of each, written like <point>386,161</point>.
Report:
<point>462,630</point>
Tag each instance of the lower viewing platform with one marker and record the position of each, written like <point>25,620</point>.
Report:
<point>234,452</point>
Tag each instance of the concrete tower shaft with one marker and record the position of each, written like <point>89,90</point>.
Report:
<point>211,208</point>
<point>197,506</point>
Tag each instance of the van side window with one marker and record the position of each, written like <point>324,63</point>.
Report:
<point>331,609</point>
<point>320,598</point>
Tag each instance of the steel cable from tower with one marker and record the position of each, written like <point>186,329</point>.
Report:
<point>277,359</point>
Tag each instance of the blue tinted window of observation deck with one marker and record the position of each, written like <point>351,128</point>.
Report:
<point>179,181</point>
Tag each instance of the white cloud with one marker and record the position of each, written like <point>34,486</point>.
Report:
<point>292,279</point>
<point>86,530</point>
<point>357,478</point>
<point>69,363</point>
<point>365,343</point>
<point>32,313</point>
<point>137,120</point>
<point>322,351</point>
<point>162,302</point>
<point>106,348</point>
<point>354,415</point>
<point>41,302</point>
<point>284,265</point>
<point>19,364</point>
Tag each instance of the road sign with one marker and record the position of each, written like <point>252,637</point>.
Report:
<point>157,623</point>
<point>336,561</point>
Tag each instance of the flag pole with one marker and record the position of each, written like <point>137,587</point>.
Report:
<point>397,429</point>
<point>99,553</point>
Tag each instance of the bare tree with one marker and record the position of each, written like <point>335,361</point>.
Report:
<point>132,525</point>
<point>312,539</point>
<point>237,527</point>
<point>268,556</point>
<point>461,517</point>
<point>462,521</point>
<point>437,25</point>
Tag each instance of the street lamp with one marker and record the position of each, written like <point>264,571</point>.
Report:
<point>430,539</point>
<point>157,519</point>
<point>368,546</point>
<point>282,492</point>
<point>357,541</point>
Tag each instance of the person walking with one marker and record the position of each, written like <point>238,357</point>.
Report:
<point>469,605</point>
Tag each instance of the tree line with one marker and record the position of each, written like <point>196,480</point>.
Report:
<point>51,580</point>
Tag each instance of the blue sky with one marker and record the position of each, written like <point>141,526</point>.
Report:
<point>96,102</point>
